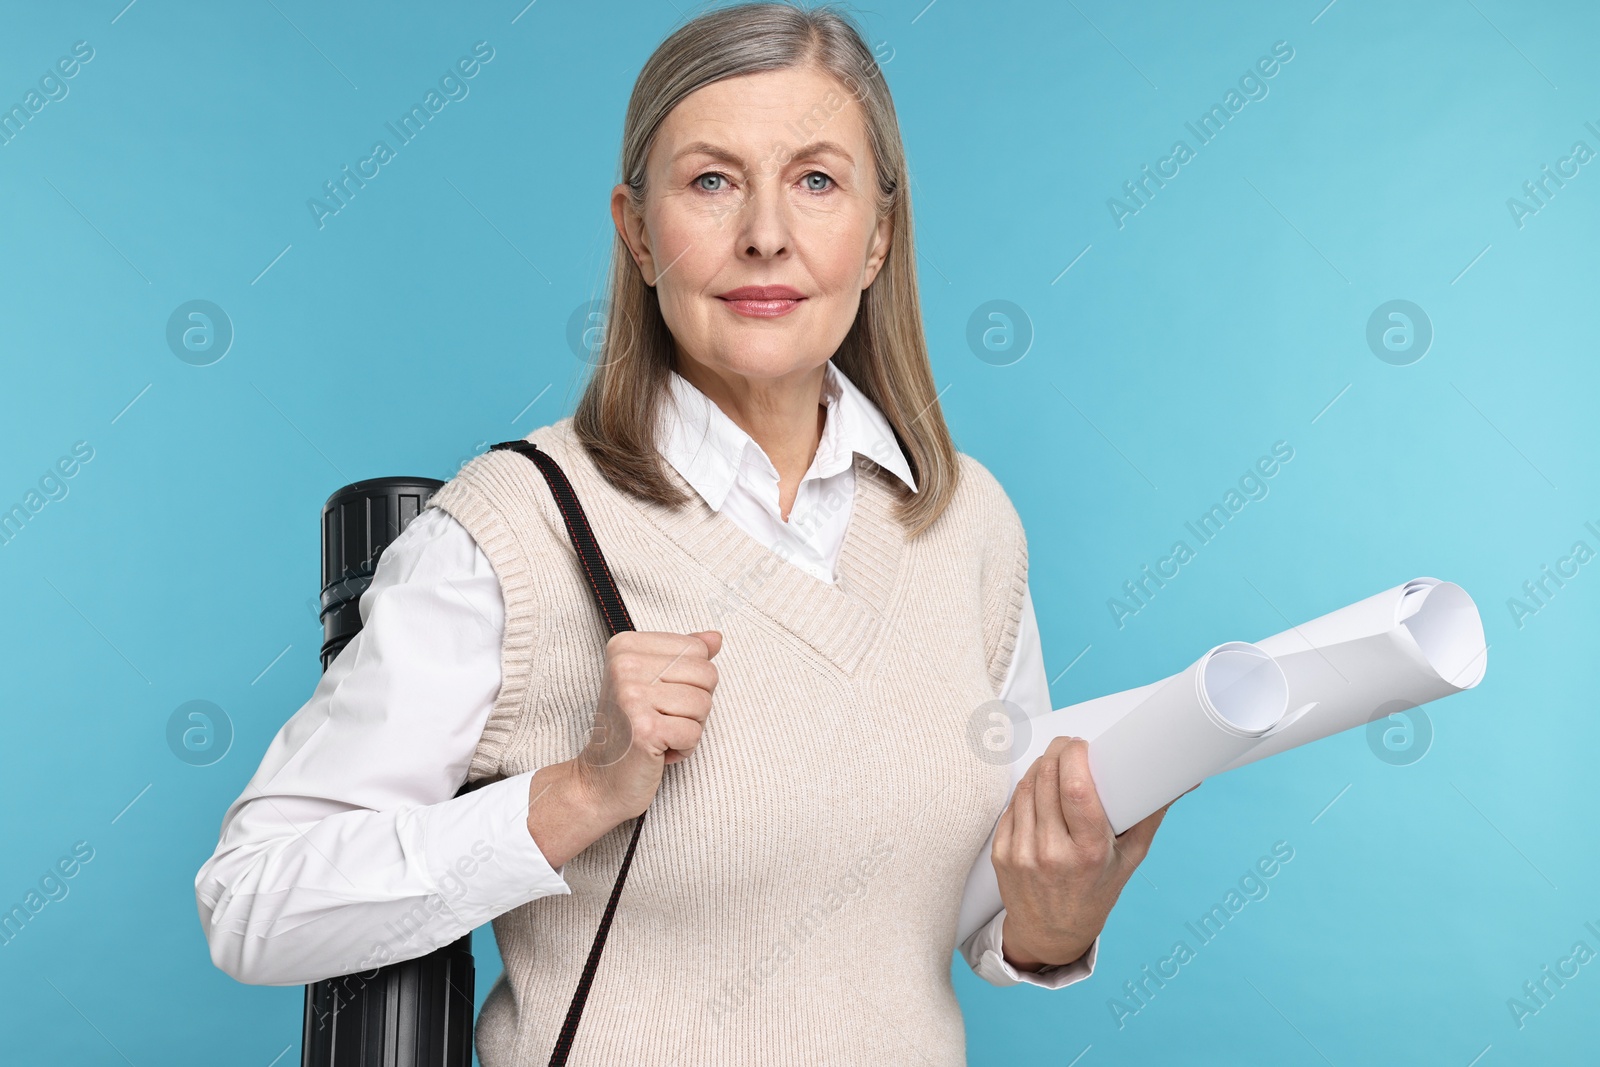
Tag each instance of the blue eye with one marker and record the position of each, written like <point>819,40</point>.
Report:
<point>718,175</point>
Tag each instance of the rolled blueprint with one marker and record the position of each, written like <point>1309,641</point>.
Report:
<point>1400,648</point>
<point>1151,744</point>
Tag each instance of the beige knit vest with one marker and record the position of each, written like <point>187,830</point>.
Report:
<point>794,894</point>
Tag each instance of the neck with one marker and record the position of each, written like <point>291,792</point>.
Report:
<point>784,415</point>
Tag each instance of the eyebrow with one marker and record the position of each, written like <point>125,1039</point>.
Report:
<point>812,150</point>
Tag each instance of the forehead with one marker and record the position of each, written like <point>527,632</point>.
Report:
<point>753,111</point>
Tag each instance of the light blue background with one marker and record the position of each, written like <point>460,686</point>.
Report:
<point>1228,314</point>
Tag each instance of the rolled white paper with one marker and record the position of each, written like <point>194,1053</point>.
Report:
<point>1189,728</point>
<point>1395,650</point>
<point>1151,744</point>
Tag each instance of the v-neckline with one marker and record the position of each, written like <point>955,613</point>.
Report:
<point>840,618</point>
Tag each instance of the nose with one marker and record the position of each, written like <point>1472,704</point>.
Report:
<point>763,224</point>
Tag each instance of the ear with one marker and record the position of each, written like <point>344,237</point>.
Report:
<point>878,250</point>
<point>630,226</point>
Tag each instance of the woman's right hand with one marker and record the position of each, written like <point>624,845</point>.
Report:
<point>654,700</point>
<point>655,696</point>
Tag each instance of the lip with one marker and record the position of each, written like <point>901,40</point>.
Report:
<point>762,292</point>
<point>762,301</point>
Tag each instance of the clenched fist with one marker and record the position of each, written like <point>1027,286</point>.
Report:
<point>655,697</point>
<point>654,700</point>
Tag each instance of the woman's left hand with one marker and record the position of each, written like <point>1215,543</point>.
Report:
<point>1059,865</point>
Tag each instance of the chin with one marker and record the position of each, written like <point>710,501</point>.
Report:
<point>770,356</point>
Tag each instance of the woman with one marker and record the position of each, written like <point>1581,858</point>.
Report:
<point>832,596</point>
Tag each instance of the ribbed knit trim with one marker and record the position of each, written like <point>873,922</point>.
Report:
<point>523,637</point>
<point>1005,592</point>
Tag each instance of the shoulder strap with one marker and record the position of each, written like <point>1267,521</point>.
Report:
<point>594,563</point>
<point>617,620</point>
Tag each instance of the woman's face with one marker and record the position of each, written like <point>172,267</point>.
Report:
<point>760,180</point>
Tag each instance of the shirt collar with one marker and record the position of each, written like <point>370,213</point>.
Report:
<point>710,450</point>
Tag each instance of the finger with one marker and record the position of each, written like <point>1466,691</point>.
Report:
<point>691,649</point>
<point>659,670</point>
<point>712,638</point>
<point>645,658</point>
<point>1080,802</point>
<point>686,701</point>
<point>1022,817</point>
<point>658,642</point>
<point>679,734</point>
<point>1042,776</point>
<point>1001,849</point>
<point>1049,825</point>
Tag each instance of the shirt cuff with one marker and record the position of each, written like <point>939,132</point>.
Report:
<point>989,961</point>
<point>478,853</point>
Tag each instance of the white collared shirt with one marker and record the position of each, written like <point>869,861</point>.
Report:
<point>333,842</point>
<point>734,475</point>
